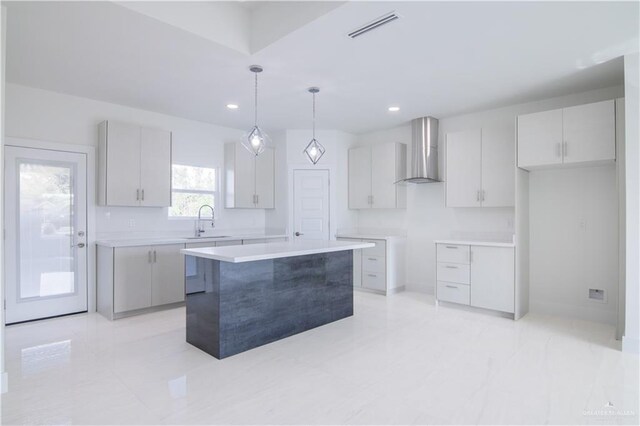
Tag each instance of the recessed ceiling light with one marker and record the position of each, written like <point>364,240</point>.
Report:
<point>394,108</point>
<point>232,106</point>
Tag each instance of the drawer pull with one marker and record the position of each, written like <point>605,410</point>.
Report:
<point>452,247</point>
<point>452,286</point>
<point>371,275</point>
<point>451,267</point>
<point>372,258</point>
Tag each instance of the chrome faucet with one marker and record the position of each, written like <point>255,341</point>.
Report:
<point>199,227</point>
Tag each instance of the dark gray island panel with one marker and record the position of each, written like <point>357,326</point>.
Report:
<point>249,304</point>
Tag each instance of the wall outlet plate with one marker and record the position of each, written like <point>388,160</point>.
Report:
<point>597,295</point>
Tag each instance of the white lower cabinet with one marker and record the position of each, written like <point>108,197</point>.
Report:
<point>379,269</point>
<point>135,278</point>
<point>476,275</point>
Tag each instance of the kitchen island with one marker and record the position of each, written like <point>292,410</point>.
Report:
<point>257,294</point>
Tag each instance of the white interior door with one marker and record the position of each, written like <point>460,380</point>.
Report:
<point>311,204</point>
<point>46,233</point>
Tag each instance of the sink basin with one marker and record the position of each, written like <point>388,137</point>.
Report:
<point>204,237</point>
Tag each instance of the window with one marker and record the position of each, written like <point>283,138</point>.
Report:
<point>191,188</point>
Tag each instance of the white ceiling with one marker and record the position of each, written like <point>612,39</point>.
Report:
<point>440,59</point>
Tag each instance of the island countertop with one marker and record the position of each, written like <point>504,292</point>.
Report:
<point>253,252</point>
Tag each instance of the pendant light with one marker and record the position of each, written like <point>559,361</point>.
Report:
<point>255,140</point>
<point>314,149</point>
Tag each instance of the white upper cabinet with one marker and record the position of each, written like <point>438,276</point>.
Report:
<point>360,178</point>
<point>249,179</point>
<point>575,135</point>
<point>134,166</point>
<point>540,138</point>
<point>464,170</point>
<point>589,132</point>
<point>155,167</point>
<point>480,168</point>
<point>498,167</point>
<point>373,173</point>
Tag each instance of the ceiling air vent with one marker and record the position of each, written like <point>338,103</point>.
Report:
<point>389,17</point>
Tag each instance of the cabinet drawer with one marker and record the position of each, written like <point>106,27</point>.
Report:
<point>378,250</point>
<point>453,272</point>
<point>373,263</point>
<point>373,280</point>
<point>452,292</point>
<point>453,253</point>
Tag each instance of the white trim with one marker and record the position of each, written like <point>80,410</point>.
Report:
<point>332,197</point>
<point>90,152</point>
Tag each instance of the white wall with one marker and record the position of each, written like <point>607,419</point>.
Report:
<point>631,339</point>
<point>3,35</point>
<point>426,217</point>
<point>289,156</point>
<point>48,116</point>
<point>574,241</point>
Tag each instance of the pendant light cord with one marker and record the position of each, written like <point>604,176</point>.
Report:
<point>256,99</point>
<point>314,115</point>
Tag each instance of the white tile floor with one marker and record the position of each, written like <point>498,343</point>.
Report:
<point>399,360</point>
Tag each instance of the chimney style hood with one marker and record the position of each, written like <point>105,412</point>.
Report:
<point>424,151</point>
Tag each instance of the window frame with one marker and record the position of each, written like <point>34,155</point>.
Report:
<point>214,192</point>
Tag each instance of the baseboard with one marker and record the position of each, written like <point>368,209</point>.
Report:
<point>630,345</point>
<point>4,382</point>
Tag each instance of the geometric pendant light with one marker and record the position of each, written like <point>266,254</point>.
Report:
<point>314,149</point>
<point>255,140</point>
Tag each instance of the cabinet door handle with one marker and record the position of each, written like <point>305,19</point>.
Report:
<point>372,275</point>
<point>565,148</point>
<point>478,195</point>
<point>451,267</point>
<point>452,247</point>
<point>372,258</point>
<point>483,192</point>
<point>143,195</point>
<point>257,198</point>
<point>137,195</point>
<point>155,257</point>
<point>452,286</point>
<point>149,256</point>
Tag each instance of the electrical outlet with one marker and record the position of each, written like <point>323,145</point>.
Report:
<point>597,295</point>
<point>132,223</point>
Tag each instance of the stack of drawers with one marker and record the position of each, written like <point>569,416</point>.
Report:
<point>454,273</point>
<point>374,266</point>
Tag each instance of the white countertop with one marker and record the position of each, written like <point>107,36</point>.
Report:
<point>477,243</point>
<point>133,242</point>
<point>368,235</point>
<point>250,253</point>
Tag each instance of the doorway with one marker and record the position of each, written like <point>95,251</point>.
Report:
<point>46,232</point>
<point>311,204</point>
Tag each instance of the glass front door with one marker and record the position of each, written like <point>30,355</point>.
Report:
<point>45,221</point>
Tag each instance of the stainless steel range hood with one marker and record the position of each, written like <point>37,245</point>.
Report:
<point>424,151</point>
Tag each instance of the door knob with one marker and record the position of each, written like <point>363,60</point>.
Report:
<point>79,245</point>
<point>297,234</point>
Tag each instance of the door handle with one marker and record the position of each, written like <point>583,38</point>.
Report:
<point>297,234</point>
<point>155,257</point>
<point>79,245</point>
<point>137,195</point>
<point>143,195</point>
